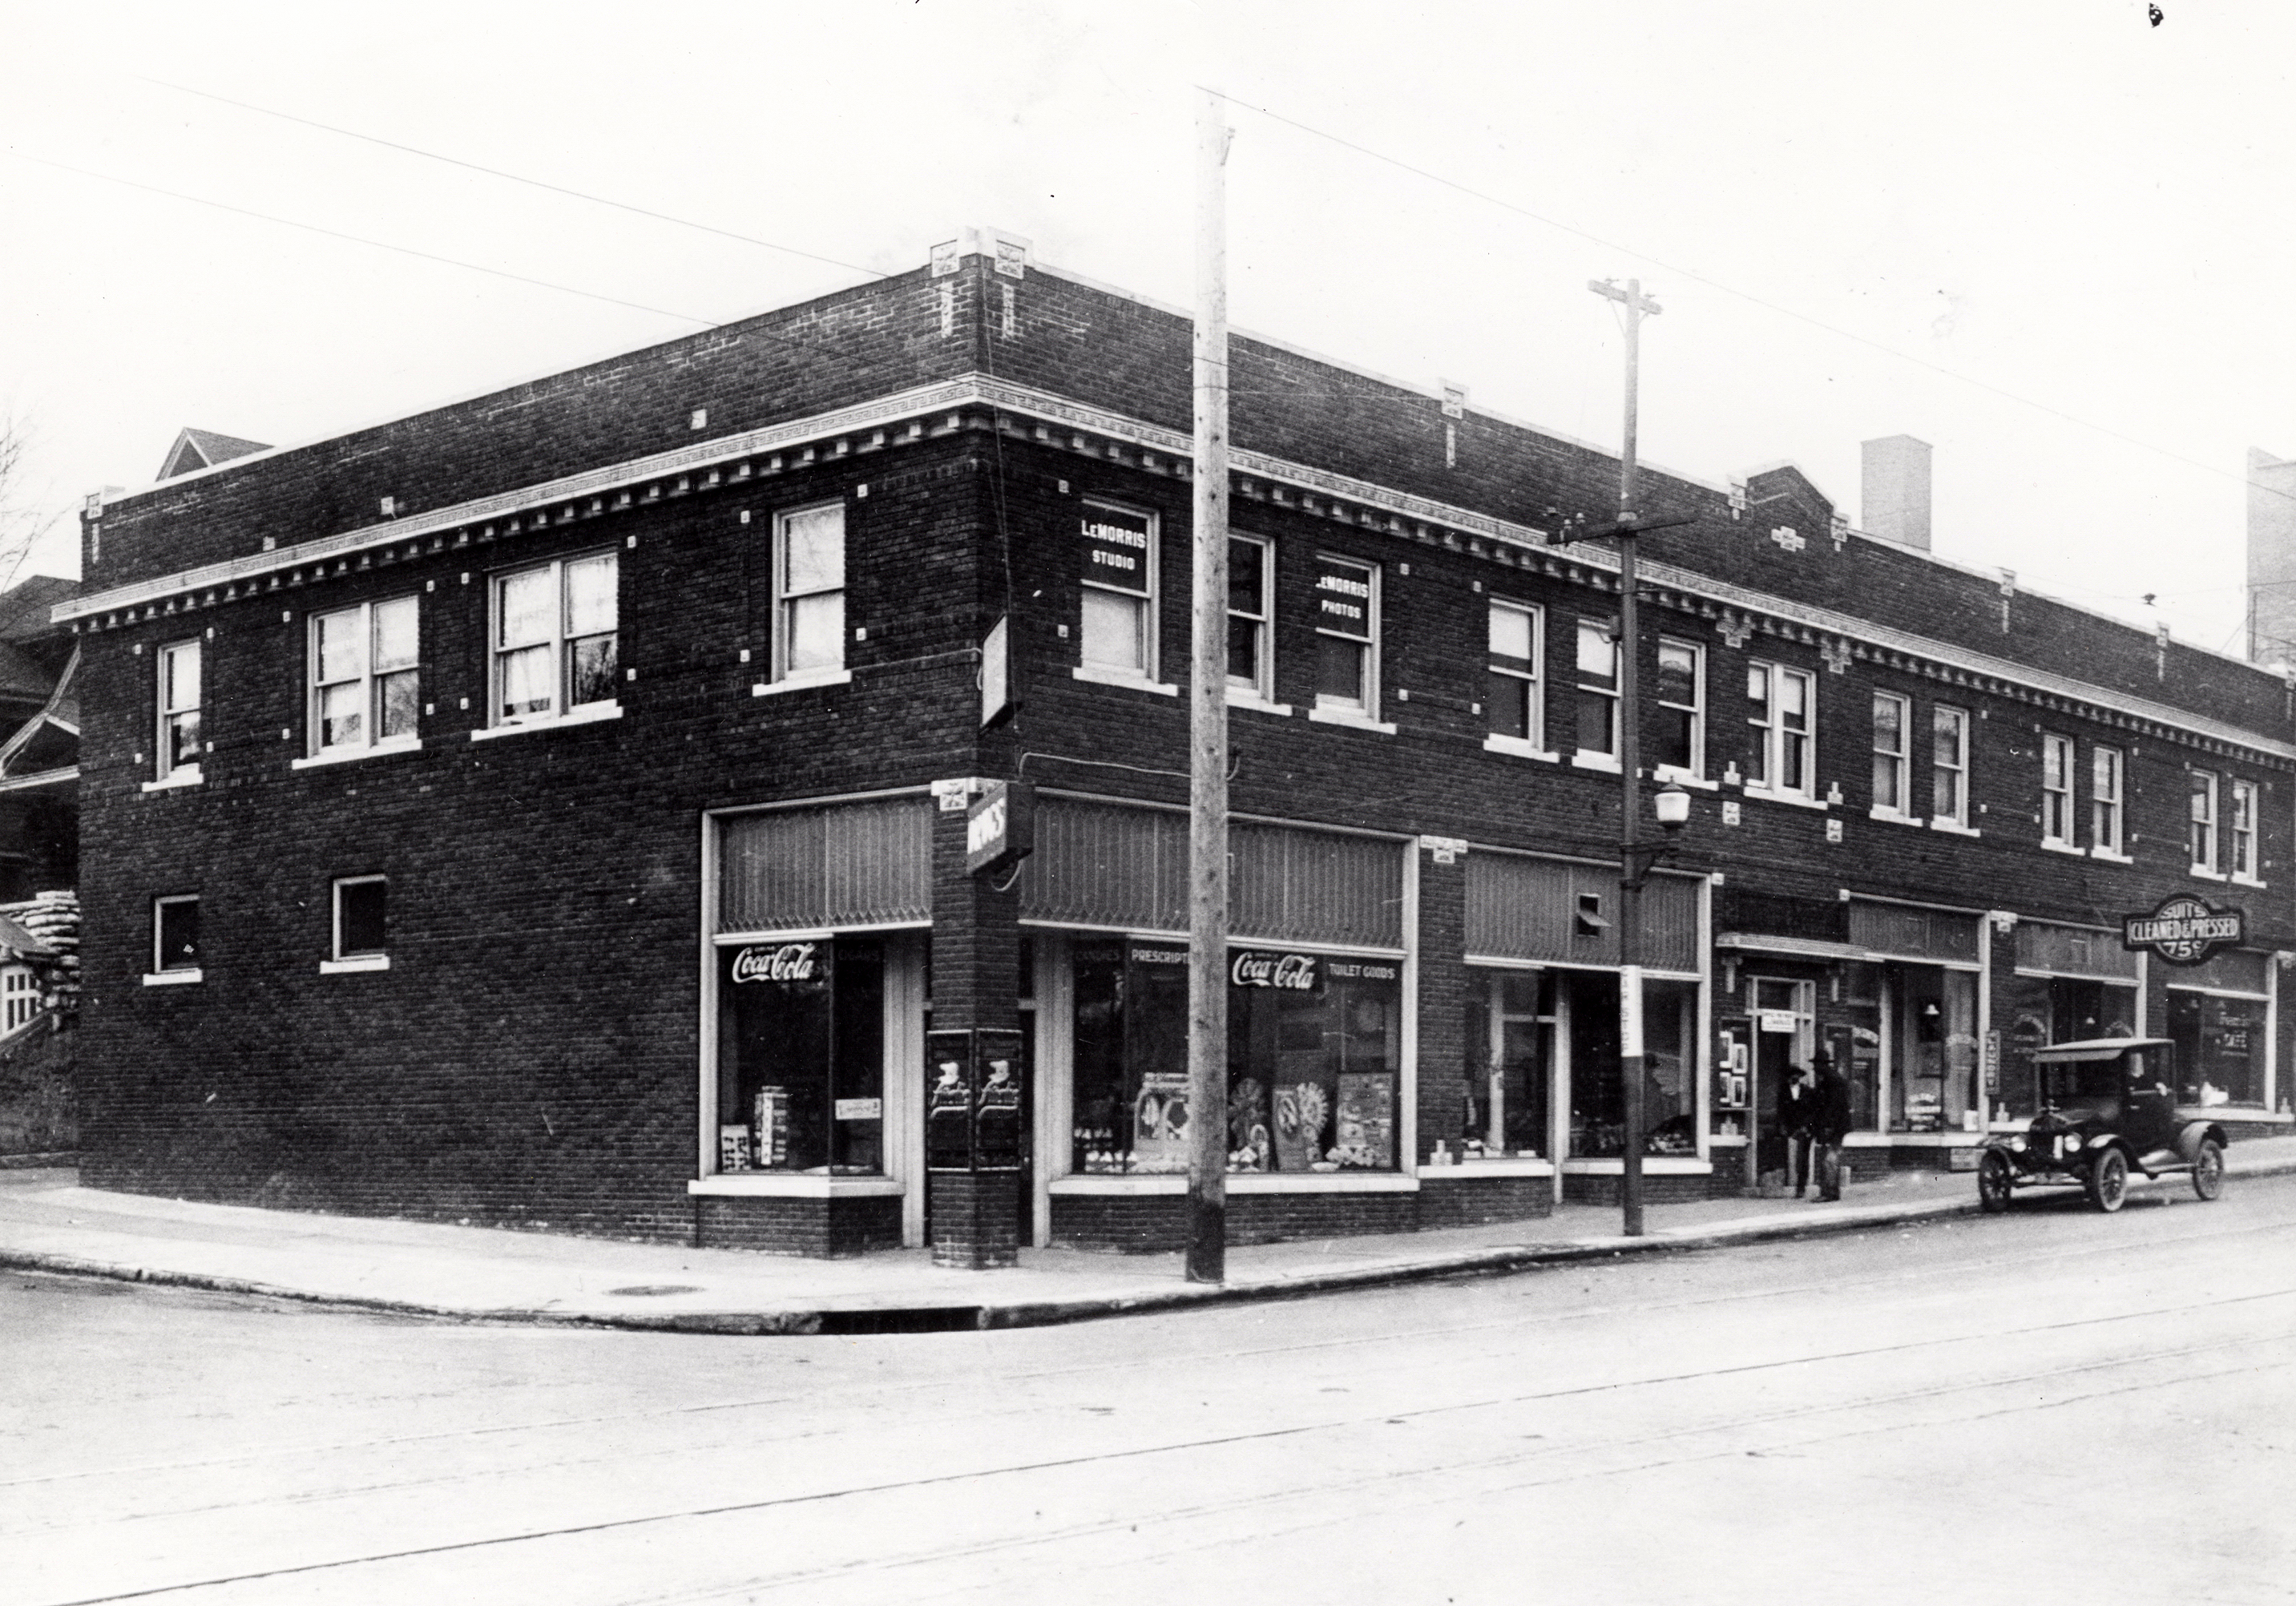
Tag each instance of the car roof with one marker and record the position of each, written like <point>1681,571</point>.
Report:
<point>2098,1048</point>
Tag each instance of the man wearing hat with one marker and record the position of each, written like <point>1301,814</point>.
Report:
<point>1829,1124</point>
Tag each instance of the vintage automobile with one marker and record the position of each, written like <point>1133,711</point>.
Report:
<point>2106,1107</point>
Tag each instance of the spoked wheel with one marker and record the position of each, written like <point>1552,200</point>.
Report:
<point>1995,1182</point>
<point>2108,1181</point>
<point>2208,1169</point>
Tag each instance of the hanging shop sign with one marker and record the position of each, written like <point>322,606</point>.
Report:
<point>1000,827</point>
<point>787,963</point>
<point>2184,930</point>
<point>1285,972</point>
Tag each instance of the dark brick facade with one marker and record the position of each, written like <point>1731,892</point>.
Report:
<point>529,1056</point>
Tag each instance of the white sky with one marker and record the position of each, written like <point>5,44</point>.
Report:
<point>2055,200</point>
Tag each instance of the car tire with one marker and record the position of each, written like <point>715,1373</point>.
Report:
<point>2107,1181</point>
<point>2208,1169</point>
<point>1995,1181</point>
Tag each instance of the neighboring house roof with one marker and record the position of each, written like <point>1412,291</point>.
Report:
<point>17,942</point>
<point>22,677</point>
<point>50,740</point>
<point>24,606</point>
<point>203,449</point>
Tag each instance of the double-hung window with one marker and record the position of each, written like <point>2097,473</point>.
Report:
<point>2057,771</point>
<point>2241,833</point>
<point>1347,636</point>
<point>1597,701</point>
<point>365,679</point>
<point>1681,747</point>
<point>1893,717</point>
<point>1251,655</point>
<point>2104,812</point>
<point>554,639</point>
<point>361,935</point>
<point>1120,591</point>
<point>179,712</point>
<point>176,937</point>
<point>809,592</point>
<point>1511,692</point>
<point>2203,815</point>
<point>1784,719</point>
<point>1948,765</point>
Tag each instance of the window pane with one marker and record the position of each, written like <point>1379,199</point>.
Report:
<point>813,554</point>
<point>590,596</point>
<point>1793,762</point>
<point>816,632</point>
<point>1598,655</point>
<point>592,671</point>
<point>1677,674</point>
<point>1948,731</point>
<point>400,696</point>
<point>1339,670</point>
<point>1758,692</point>
<point>1672,747</point>
<point>2054,762</point>
<point>395,644</point>
<point>179,934</point>
<point>1511,637</point>
<point>2105,774</point>
<point>1244,650</point>
<point>1246,578</point>
<point>180,673</point>
<point>1119,548</point>
<point>1508,699</point>
<point>524,603</point>
<point>1114,631</point>
<point>1597,727</point>
<point>341,651</point>
<point>183,740</point>
<point>1794,700</point>
<point>358,912</point>
<point>341,715</point>
<point>1888,724</point>
<point>526,680</point>
<point>1885,782</point>
<point>1343,598</point>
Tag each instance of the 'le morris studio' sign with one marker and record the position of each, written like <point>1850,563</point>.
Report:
<point>2184,930</point>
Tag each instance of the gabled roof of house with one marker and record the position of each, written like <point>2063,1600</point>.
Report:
<point>26,752</point>
<point>24,606</point>
<point>16,940</point>
<point>22,677</point>
<point>203,449</point>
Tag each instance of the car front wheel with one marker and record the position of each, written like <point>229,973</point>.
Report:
<point>2208,1169</point>
<point>2108,1181</point>
<point>1994,1183</point>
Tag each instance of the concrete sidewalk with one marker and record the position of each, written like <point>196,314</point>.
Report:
<point>48,1223</point>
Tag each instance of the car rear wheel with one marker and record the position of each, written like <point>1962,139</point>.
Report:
<point>2208,1169</point>
<point>1994,1183</point>
<point>2108,1181</point>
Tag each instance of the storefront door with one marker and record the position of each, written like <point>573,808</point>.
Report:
<point>1785,1027</point>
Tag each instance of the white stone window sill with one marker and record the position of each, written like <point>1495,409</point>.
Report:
<point>188,776</point>
<point>1683,777</point>
<point>1118,677</point>
<point>2205,875</point>
<point>589,713</point>
<point>796,1185</point>
<point>1509,1165</point>
<point>799,683</point>
<point>1516,747</point>
<point>352,755</point>
<point>1955,828</point>
<point>354,962</point>
<point>173,978</point>
<point>2109,856</point>
<point>1796,799</point>
<point>1238,698</point>
<point>1608,763</point>
<point>2247,880</point>
<point>1355,719</point>
<point>1654,1165</point>
<point>1244,1182</point>
<point>1890,816</point>
<point>2066,848</point>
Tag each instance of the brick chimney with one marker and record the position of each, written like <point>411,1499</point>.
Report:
<point>1894,490</point>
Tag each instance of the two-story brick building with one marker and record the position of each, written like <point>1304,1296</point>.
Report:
<point>552,808</point>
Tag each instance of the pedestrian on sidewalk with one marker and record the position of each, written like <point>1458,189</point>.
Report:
<point>1796,1102</point>
<point>1829,1122</point>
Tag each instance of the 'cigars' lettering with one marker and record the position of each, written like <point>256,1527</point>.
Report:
<point>791,961</point>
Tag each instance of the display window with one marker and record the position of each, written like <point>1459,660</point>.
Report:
<point>1933,1087</point>
<point>1510,1040</point>
<point>2220,1046</point>
<point>801,1056</point>
<point>1588,1004</point>
<point>2041,1010</point>
<point>1314,1060</point>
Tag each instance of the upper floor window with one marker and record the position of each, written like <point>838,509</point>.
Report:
<point>1949,765</point>
<point>1514,708</point>
<point>1893,717</point>
<point>1784,717</point>
<point>2203,817</point>
<point>364,689</point>
<point>809,592</point>
<point>179,711</point>
<point>2057,790</point>
<point>1346,635</point>
<point>1597,700</point>
<point>1120,591</point>
<point>361,929</point>
<point>1681,747</point>
<point>2240,836</point>
<point>176,935</point>
<point>1251,659</point>
<point>2104,809</point>
<point>554,638</point>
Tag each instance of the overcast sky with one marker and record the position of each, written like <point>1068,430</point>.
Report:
<point>2051,238</point>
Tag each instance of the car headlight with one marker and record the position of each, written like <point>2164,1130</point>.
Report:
<point>2018,1143</point>
<point>2073,1143</point>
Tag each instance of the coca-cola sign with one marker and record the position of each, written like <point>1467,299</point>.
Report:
<point>1285,972</point>
<point>788,961</point>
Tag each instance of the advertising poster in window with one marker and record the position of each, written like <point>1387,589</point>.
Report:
<point>1365,1128</point>
<point>1343,598</point>
<point>1116,549</point>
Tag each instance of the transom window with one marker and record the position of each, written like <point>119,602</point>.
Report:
<point>1949,765</point>
<point>2104,809</point>
<point>1681,745</point>
<point>554,638</point>
<point>365,679</point>
<point>1510,689</point>
<point>1251,662</point>
<point>1120,591</point>
<point>179,711</point>
<point>1596,703</point>
<point>809,592</point>
<point>2057,790</point>
<point>1892,715</point>
<point>1346,635</point>
<point>1785,703</point>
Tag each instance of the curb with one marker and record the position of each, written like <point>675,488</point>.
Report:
<point>862,1321</point>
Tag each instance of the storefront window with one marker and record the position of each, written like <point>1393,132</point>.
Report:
<point>1934,1086</point>
<point>1315,1045</point>
<point>801,1056</point>
<point>1598,1099</point>
<point>1510,1054</point>
<point>2041,1010</point>
<point>2219,1047</point>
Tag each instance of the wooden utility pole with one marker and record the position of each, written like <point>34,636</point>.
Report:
<point>1634,864</point>
<point>1207,720</point>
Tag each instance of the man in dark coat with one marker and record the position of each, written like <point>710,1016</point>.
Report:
<point>1795,1103</point>
<point>1829,1124</point>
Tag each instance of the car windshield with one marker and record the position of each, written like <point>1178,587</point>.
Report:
<point>2090,1081</point>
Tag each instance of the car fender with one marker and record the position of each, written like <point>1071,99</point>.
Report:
<point>2193,1134</point>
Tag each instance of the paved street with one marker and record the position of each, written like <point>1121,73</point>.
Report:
<point>1964,1409</point>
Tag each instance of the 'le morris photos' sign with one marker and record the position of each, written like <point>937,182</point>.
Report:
<point>2184,930</point>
